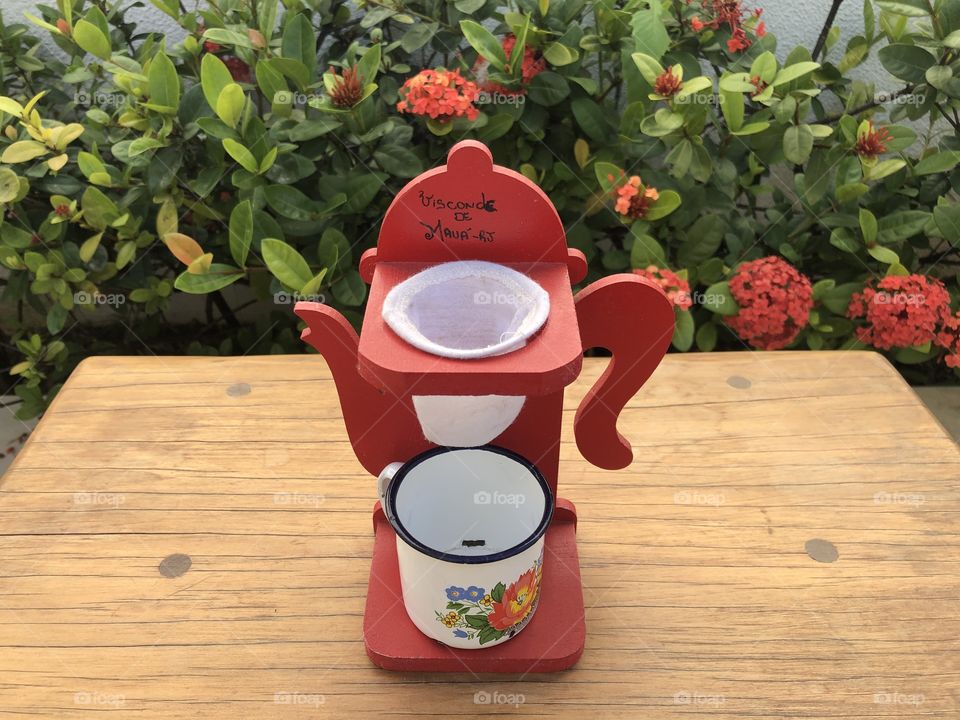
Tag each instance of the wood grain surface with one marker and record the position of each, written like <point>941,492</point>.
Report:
<point>190,538</point>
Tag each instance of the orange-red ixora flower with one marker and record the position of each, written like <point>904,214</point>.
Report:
<point>902,311</point>
<point>676,288</point>
<point>871,141</point>
<point>696,23</point>
<point>439,94</point>
<point>949,339</point>
<point>347,88</point>
<point>517,602</point>
<point>775,300</point>
<point>633,198</point>
<point>759,84</point>
<point>239,70</point>
<point>667,83</point>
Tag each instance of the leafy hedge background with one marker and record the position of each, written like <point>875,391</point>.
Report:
<point>252,162</point>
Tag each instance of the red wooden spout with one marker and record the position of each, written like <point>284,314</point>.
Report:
<point>633,319</point>
<point>382,427</point>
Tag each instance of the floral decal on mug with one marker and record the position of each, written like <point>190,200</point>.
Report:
<point>473,613</point>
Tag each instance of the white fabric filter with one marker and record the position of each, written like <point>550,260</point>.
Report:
<point>466,309</point>
<point>466,420</point>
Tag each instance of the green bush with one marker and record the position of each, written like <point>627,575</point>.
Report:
<point>252,162</point>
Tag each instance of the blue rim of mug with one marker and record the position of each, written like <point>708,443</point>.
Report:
<point>410,540</point>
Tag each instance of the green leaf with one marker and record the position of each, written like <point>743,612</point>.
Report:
<point>707,337</point>
<point>230,104</point>
<point>22,151</point>
<point>350,289</point>
<point>548,89</point>
<point>732,107</point>
<point>417,36</point>
<point>719,300</point>
<point>910,8</point>
<point>952,40</point>
<point>883,254</point>
<point>702,241</point>
<point>9,185</point>
<point>648,66</point>
<point>608,175</point>
<point>851,191</point>
<point>241,231</point>
<point>884,168</point>
<point>939,76</point>
<point>484,42</point>
<point>299,43</point>
<point>797,144</point>
<point>398,160</point>
<point>794,72</point>
<point>477,621</point>
<point>649,33</point>
<point>241,154</point>
<point>217,277</point>
<point>286,264</point>
<point>683,329</point>
<point>842,238</point>
<point>270,80</point>
<point>497,593</point>
<point>558,54</point>
<point>163,82</point>
<point>369,63</point>
<point>764,66</point>
<point>290,202</point>
<point>899,226</point>
<point>907,62</point>
<point>937,163</point>
<point>214,77</point>
<point>591,118</point>
<point>665,204</point>
<point>89,37</point>
<point>868,226</point>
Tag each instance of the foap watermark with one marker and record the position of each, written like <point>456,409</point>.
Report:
<point>99,498</point>
<point>899,298</point>
<point>98,98</point>
<point>705,99</point>
<point>292,97</point>
<point>99,698</point>
<point>482,297</point>
<point>685,697</point>
<point>484,497</point>
<point>897,698</point>
<point>485,697</point>
<point>899,498</point>
<point>297,698</point>
<point>487,97</point>
<point>285,298</point>
<point>82,297</point>
<point>694,497</point>
<point>306,499</point>
<point>896,98</point>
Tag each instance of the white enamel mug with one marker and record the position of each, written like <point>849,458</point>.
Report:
<point>470,526</point>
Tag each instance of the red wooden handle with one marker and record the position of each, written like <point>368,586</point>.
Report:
<point>632,318</point>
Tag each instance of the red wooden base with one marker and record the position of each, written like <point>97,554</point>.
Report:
<point>552,641</point>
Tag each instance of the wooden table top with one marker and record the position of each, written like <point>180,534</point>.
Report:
<point>190,538</point>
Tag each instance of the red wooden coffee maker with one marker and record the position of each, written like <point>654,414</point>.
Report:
<point>473,210</point>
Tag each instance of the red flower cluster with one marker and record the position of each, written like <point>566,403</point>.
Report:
<point>775,301</point>
<point>730,13</point>
<point>439,94</point>
<point>872,142</point>
<point>901,311</point>
<point>949,339</point>
<point>676,288</point>
<point>633,198</point>
<point>531,66</point>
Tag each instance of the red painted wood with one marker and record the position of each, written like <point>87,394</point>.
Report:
<point>553,641</point>
<point>633,319</point>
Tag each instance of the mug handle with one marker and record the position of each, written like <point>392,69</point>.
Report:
<point>383,485</point>
<point>632,318</point>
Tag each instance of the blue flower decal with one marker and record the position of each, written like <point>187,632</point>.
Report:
<point>459,633</point>
<point>475,593</point>
<point>456,593</point>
